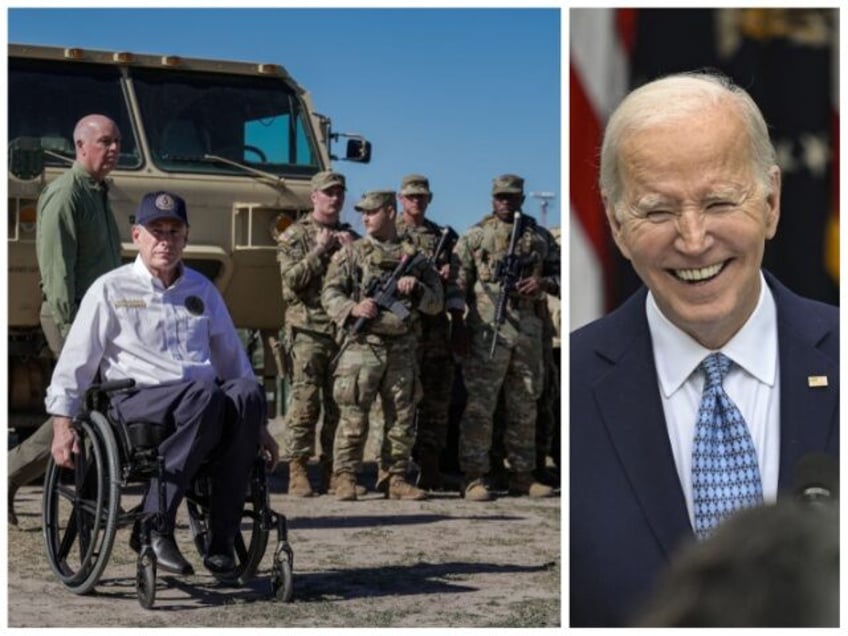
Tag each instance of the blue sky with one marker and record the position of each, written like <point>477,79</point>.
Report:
<point>460,95</point>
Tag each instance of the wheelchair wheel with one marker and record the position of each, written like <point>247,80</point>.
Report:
<point>80,507</point>
<point>282,579</point>
<point>250,541</point>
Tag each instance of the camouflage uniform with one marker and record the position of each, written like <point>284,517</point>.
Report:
<point>310,337</point>
<point>435,359</point>
<point>547,407</point>
<point>381,359</point>
<point>517,365</point>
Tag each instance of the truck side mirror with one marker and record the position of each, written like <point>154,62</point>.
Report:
<point>358,150</point>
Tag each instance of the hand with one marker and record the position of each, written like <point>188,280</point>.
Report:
<point>444,271</point>
<point>269,448</point>
<point>365,308</point>
<point>344,238</point>
<point>406,285</point>
<point>460,340</point>
<point>529,286</point>
<point>65,443</point>
<point>325,240</point>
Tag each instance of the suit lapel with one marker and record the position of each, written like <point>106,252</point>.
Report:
<point>629,401</point>
<point>807,413</point>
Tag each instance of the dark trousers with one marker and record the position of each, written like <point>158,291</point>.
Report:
<point>219,423</point>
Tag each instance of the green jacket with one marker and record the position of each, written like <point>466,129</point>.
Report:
<point>76,241</point>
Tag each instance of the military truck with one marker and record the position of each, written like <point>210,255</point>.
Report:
<point>239,141</point>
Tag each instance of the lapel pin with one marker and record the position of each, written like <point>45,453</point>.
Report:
<point>815,381</point>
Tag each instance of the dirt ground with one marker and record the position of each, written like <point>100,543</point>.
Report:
<point>443,562</point>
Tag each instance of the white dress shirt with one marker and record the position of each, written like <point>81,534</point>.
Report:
<point>129,325</point>
<point>752,383</point>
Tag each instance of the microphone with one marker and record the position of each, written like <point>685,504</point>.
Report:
<point>816,478</point>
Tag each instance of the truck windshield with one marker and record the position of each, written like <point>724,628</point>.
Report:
<point>47,98</point>
<point>257,121</point>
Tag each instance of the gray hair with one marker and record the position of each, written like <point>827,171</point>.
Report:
<point>674,97</point>
<point>91,125</point>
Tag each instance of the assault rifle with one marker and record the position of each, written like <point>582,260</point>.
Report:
<point>507,273</point>
<point>446,243</point>
<point>384,290</point>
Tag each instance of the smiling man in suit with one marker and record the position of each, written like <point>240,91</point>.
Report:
<point>698,396</point>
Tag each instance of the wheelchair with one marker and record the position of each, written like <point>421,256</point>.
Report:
<point>81,509</point>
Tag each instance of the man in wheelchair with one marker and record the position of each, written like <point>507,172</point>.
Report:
<point>167,327</point>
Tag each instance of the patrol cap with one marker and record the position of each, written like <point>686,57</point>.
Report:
<point>508,184</point>
<point>415,184</point>
<point>161,205</point>
<point>327,179</point>
<point>375,199</point>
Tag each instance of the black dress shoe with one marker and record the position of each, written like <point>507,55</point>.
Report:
<point>220,564</point>
<point>168,556</point>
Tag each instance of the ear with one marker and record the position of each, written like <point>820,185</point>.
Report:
<point>135,233</point>
<point>616,228</point>
<point>773,202</point>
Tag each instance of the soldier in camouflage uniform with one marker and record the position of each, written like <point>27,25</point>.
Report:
<point>380,359</point>
<point>435,361</point>
<point>517,365</point>
<point>304,252</point>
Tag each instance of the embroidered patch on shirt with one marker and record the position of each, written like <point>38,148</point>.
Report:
<point>131,303</point>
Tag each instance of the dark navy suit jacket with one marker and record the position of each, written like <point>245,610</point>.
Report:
<point>627,511</point>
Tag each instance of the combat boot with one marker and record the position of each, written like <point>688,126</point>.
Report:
<point>331,488</point>
<point>299,485</point>
<point>524,484</point>
<point>477,490</point>
<point>344,486</point>
<point>399,488</point>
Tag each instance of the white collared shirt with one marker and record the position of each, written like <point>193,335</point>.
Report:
<point>753,383</point>
<point>129,325</point>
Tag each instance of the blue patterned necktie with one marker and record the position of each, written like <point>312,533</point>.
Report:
<point>725,473</point>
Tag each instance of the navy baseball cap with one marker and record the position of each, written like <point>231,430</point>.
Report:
<point>161,205</point>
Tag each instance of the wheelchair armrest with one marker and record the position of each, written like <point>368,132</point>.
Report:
<point>97,395</point>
